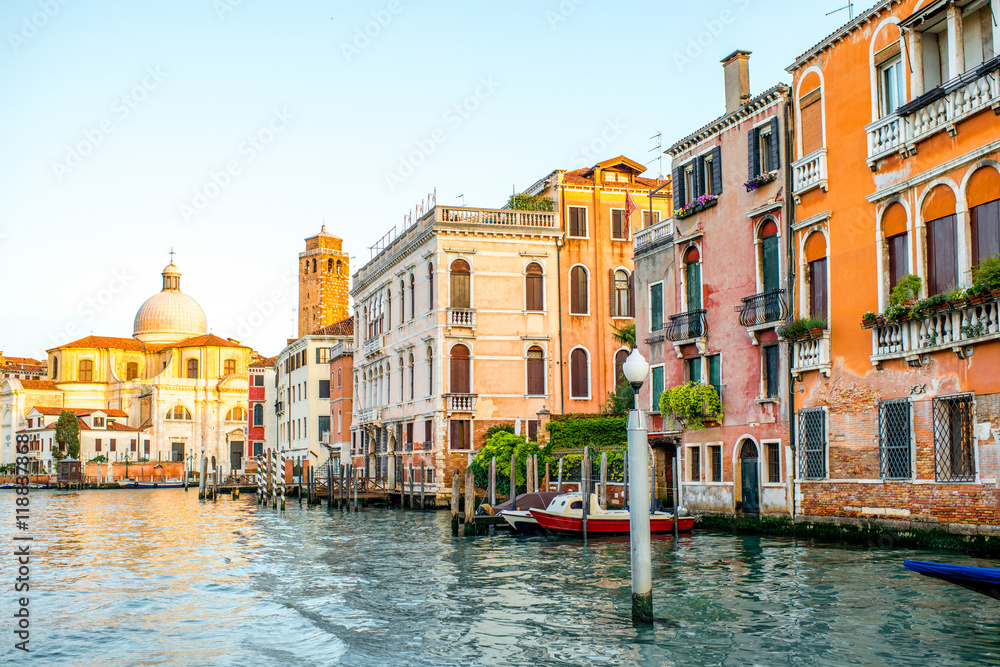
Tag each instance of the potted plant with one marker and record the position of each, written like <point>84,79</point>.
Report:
<point>987,272</point>
<point>759,180</point>
<point>692,404</point>
<point>955,296</point>
<point>869,319</point>
<point>803,327</point>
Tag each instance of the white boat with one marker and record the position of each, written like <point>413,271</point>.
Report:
<point>522,521</point>
<point>164,484</point>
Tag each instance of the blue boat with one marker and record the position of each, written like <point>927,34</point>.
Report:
<point>985,580</point>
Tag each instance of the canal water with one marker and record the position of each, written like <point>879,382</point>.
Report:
<point>155,577</point>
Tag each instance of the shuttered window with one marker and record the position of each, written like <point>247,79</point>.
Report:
<point>771,370</point>
<point>715,372</point>
<point>619,228</point>
<point>985,220</point>
<point>620,357</point>
<point>621,293</point>
<point>579,301</point>
<point>942,257</point>
<point>579,374</point>
<point>428,425</point>
<point>692,279</point>
<point>899,261</point>
<point>650,218</point>
<point>694,460</point>
<point>430,371</point>
<point>461,434</point>
<point>430,287</point>
<point>460,285</point>
<point>818,288</point>
<point>86,371</point>
<point>762,152</point>
<point>533,287</point>
<point>656,307</point>
<point>460,370</point>
<point>536,371</point>
<point>192,368</point>
<point>657,387</point>
<point>769,257</point>
<point>577,221</point>
<point>132,371</point>
<point>811,122</point>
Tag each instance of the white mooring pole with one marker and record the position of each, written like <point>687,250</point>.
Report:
<point>636,368</point>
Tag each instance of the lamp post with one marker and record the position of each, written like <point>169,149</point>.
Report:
<point>636,369</point>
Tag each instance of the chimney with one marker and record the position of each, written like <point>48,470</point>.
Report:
<point>736,67</point>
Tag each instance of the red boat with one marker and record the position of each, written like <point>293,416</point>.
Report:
<point>564,515</point>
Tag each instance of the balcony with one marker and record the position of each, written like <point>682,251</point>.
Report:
<point>490,216</point>
<point>661,231</point>
<point>367,416</point>
<point>372,346</point>
<point>687,326</point>
<point>656,336</point>
<point>460,402</point>
<point>811,354</point>
<point>938,109</point>
<point>462,317</point>
<point>809,172</point>
<point>279,408</point>
<point>762,311</point>
<point>955,330</point>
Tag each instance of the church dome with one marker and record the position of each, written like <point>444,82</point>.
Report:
<point>171,315</point>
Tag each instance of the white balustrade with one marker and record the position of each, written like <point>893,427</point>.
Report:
<point>371,346</point>
<point>809,172</point>
<point>657,232</point>
<point>811,355</point>
<point>461,402</point>
<point>940,331</point>
<point>462,317</point>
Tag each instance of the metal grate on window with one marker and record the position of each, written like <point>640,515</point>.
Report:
<point>773,463</point>
<point>954,450</point>
<point>894,439</point>
<point>812,443</point>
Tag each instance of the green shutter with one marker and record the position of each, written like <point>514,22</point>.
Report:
<point>656,307</point>
<point>715,372</point>
<point>693,285</point>
<point>657,387</point>
<point>770,251</point>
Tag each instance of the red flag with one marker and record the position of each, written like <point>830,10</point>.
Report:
<point>629,208</point>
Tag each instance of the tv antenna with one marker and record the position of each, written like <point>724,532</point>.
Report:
<point>462,197</point>
<point>850,10</point>
<point>659,154</point>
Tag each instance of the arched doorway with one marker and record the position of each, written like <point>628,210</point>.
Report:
<point>749,481</point>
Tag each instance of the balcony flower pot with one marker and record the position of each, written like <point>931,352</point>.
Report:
<point>696,205</point>
<point>760,180</point>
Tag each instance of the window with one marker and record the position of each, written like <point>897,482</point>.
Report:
<point>131,370</point>
<point>145,446</point>
<point>430,371</point>
<point>402,379</point>
<point>763,154</point>
<point>323,427</point>
<point>409,368</point>
<point>894,439</point>
<point>700,176</point>
<point>402,301</point>
<point>314,265</point>
<point>340,377</point>
<point>413,292</point>
<point>340,267</point>
<point>692,278</point>
<point>977,33</point>
<point>985,221</point>
<point>97,445</point>
<point>899,262</point>
<point>258,415</point>
<point>621,293</point>
<point>620,357</point>
<point>322,355</point>
<point>428,427</point>
<point>578,221</point>
<point>533,430</point>
<point>694,464</point>
<point>934,44</point>
<point>229,367</point>
<point>533,294</point>
<point>656,307</point>
<point>132,445</point>
<point>179,412</point>
<point>942,255</point>
<point>690,182</point>
<point>656,386</point>
<point>619,225</point>
<point>769,263</point>
<point>812,443</point>
<point>817,288</point>
<point>460,370</point>
<point>237,414</point>
<point>650,218</point>
<point>258,380</point>
<point>773,452</point>
<point>329,266</point>
<point>55,368</point>
<point>86,371</point>
<point>408,442</point>
<point>770,367</point>
<point>692,369</point>
<point>461,434</point>
<point>707,177</point>
<point>430,287</point>
<point>324,389</point>
<point>192,369</point>
<point>113,445</point>
<point>715,452</point>
<point>98,422</point>
<point>579,301</point>
<point>579,370</point>
<point>715,372</point>
<point>536,371</point>
<point>954,448</point>
<point>461,296</point>
<point>890,86</point>
<point>811,121</point>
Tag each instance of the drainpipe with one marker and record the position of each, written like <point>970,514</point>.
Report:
<point>559,312</point>
<point>790,273</point>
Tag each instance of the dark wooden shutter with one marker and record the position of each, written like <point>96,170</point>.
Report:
<point>578,368</point>
<point>460,370</point>
<point>631,295</point>
<point>769,249</point>
<point>753,153</point>
<point>678,187</point>
<point>775,144</point>
<point>771,368</point>
<point>817,287</point>
<point>536,372</point>
<point>693,280</point>
<point>985,223</point>
<point>611,291</point>
<point>899,264</point>
<point>716,171</point>
<point>699,176</point>
<point>942,258</point>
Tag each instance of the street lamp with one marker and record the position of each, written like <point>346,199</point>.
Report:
<point>636,369</point>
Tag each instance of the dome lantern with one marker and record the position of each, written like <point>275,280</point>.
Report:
<point>170,316</point>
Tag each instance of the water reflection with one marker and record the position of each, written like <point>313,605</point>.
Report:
<point>155,577</point>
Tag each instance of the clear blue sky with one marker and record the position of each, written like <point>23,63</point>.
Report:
<point>229,130</point>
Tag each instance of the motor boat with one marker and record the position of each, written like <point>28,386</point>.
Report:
<point>565,515</point>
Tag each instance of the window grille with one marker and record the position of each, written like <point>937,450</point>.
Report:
<point>773,463</point>
<point>894,439</point>
<point>812,443</point>
<point>955,458</point>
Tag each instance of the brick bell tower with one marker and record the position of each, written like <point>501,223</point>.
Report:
<point>324,275</point>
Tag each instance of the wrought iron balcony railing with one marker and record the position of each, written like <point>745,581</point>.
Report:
<point>686,326</point>
<point>763,308</point>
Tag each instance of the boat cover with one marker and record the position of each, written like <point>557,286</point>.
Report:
<point>985,580</point>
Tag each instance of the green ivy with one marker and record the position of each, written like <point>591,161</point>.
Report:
<point>531,203</point>
<point>692,404</point>
<point>598,432</point>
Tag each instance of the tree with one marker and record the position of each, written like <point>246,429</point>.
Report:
<point>624,335</point>
<point>620,401</point>
<point>68,433</point>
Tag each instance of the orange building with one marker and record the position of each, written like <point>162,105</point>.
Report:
<point>324,277</point>
<point>897,173</point>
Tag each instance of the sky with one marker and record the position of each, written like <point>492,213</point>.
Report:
<point>231,130</point>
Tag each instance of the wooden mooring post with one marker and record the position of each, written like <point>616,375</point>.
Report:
<point>411,485</point>
<point>357,483</point>
<point>513,482</point>
<point>559,482</point>
<point>547,478</point>
<point>604,480</point>
<point>203,482</point>
<point>423,483</point>
<point>470,502</point>
<point>340,488</point>
<point>455,490</point>
<point>493,482</point>
<point>585,488</point>
<point>329,484</point>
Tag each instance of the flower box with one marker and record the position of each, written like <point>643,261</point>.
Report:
<point>696,205</point>
<point>760,180</point>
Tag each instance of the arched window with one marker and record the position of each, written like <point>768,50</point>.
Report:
<point>536,371</point>
<point>579,373</point>
<point>769,267</point>
<point>192,369</point>
<point>237,414</point>
<point>620,357</point>
<point>340,267</point>
<point>430,288</point>
<point>621,293</point>
<point>329,266</point>
<point>229,367</point>
<point>692,278</point>
<point>402,380</point>
<point>402,301</point>
<point>131,370</point>
<point>983,199</point>
<point>305,266</point>
<point>579,299</point>
<point>258,414</point>
<point>55,368</point>
<point>388,308</point>
<point>430,371</point>
<point>410,369</point>
<point>86,371</point>
<point>179,413</point>
<point>413,292</point>
<point>533,287</point>
<point>942,239</point>
<point>816,273</point>
<point>314,265</point>
<point>897,244</point>
<point>461,278</point>
<point>460,370</point>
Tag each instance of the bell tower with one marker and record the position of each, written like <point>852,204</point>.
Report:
<point>324,279</point>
